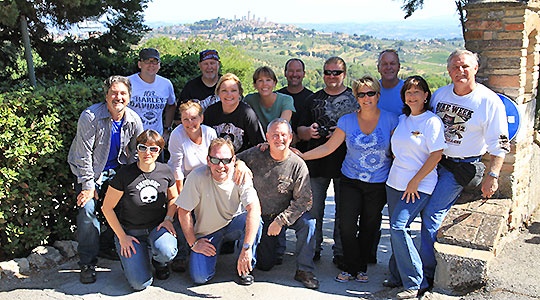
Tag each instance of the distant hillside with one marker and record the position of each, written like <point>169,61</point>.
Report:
<point>400,30</point>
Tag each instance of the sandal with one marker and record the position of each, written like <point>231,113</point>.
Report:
<point>361,277</point>
<point>344,277</point>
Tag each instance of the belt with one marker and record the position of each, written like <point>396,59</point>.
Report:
<point>471,158</point>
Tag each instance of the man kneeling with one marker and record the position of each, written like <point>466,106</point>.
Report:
<point>223,210</point>
<point>281,179</point>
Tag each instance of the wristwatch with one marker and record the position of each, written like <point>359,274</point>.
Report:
<point>246,246</point>
<point>169,218</point>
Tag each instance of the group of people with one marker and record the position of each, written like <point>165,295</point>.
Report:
<point>234,179</point>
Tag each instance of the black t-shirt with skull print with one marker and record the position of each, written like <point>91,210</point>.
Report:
<point>144,202</point>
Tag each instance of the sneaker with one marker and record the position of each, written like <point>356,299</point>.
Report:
<point>407,294</point>
<point>317,256</point>
<point>246,279</point>
<point>162,272</point>
<point>109,254</point>
<point>390,284</point>
<point>361,277</point>
<point>307,278</point>
<point>88,274</point>
<point>339,261</point>
<point>178,265</point>
<point>343,277</point>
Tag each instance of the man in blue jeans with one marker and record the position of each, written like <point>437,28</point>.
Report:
<point>474,123</point>
<point>105,140</point>
<point>281,179</point>
<point>223,211</point>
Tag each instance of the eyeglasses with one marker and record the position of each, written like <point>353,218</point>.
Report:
<point>216,161</point>
<point>369,94</point>
<point>144,148</point>
<point>333,72</point>
<point>151,61</point>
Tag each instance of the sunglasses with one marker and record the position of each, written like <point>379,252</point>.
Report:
<point>143,148</point>
<point>369,94</point>
<point>333,72</point>
<point>216,161</point>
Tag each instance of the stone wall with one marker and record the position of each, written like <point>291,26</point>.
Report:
<point>506,36</point>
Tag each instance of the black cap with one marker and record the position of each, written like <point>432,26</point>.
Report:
<point>147,53</point>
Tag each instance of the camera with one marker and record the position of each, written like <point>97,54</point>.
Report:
<point>323,130</point>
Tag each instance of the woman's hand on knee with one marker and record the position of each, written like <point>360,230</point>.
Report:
<point>126,245</point>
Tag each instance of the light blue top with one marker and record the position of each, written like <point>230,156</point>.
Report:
<point>390,99</point>
<point>266,115</point>
<point>368,156</point>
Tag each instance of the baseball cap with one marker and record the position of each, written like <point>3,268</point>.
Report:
<point>147,53</point>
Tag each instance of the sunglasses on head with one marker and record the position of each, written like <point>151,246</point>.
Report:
<point>333,72</point>
<point>369,94</point>
<point>216,161</point>
<point>143,148</point>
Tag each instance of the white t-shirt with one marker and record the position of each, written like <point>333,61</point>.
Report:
<point>149,100</point>
<point>474,123</point>
<point>185,154</point>
<point>414,139</point>
<point>214,203</point>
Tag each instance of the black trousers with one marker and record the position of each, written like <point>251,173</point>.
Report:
<point>360,218</point>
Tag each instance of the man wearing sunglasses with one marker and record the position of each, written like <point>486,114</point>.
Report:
<point>316,124</point>
<point>105,140</point>
<point>223,211</point>
<point>152,95</point>
<point>388,66</point>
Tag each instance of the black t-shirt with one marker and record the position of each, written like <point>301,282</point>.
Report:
<point>196,89</point>
<point>144,202</point>
<point>241,126</point>
<point>325,110</point>
<point>299,105</point>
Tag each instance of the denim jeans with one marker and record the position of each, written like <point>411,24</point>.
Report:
<point>319,186</point>
<point>360,214</point>
<point>137,269</point>
<point>202,268</point>
<point>304,228</point>
<point>405,264</point>
<point>443,197</point>
<point>183,248</point>
<point>88,226</point>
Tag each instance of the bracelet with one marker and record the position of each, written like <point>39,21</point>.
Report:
<point>191,247</point>
<point>493,175</point>
<point>169,218</point>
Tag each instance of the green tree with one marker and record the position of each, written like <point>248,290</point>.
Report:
<point>122,19</point>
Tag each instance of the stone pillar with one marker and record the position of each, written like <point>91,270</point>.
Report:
<point>505,35</point>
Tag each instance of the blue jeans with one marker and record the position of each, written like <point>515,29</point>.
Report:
<point>137,269</point>
<point>443,197</point>
<point>405,263</point>
<point>88,227</point>
<point>319,186</point>
<point>304,228</point>
<point>202,268</point>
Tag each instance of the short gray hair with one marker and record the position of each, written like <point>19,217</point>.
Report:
<point>279,121</point>
<point>116,79</point>
<point>462,52</point>
<point>384,52</point>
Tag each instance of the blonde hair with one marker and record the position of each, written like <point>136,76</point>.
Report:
<point>366,80</point>
<point>217,142</point>
<point>230,76</point>
<point>191,104</point>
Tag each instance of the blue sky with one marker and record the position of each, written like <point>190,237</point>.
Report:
<point>295,11</point>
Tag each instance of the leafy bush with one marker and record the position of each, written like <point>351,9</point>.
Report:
<point>37,204</point>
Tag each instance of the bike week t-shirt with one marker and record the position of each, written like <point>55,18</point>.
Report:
<point>149,100</point>
<point>241,126</point>
<point>473,123</point>
<point>414,139</point>
<point>144,202</point>
<point>112,159</point>
<point>325,110</point>
<point>266,115</point>
<point>368,156</point>
<point>390,99</point>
